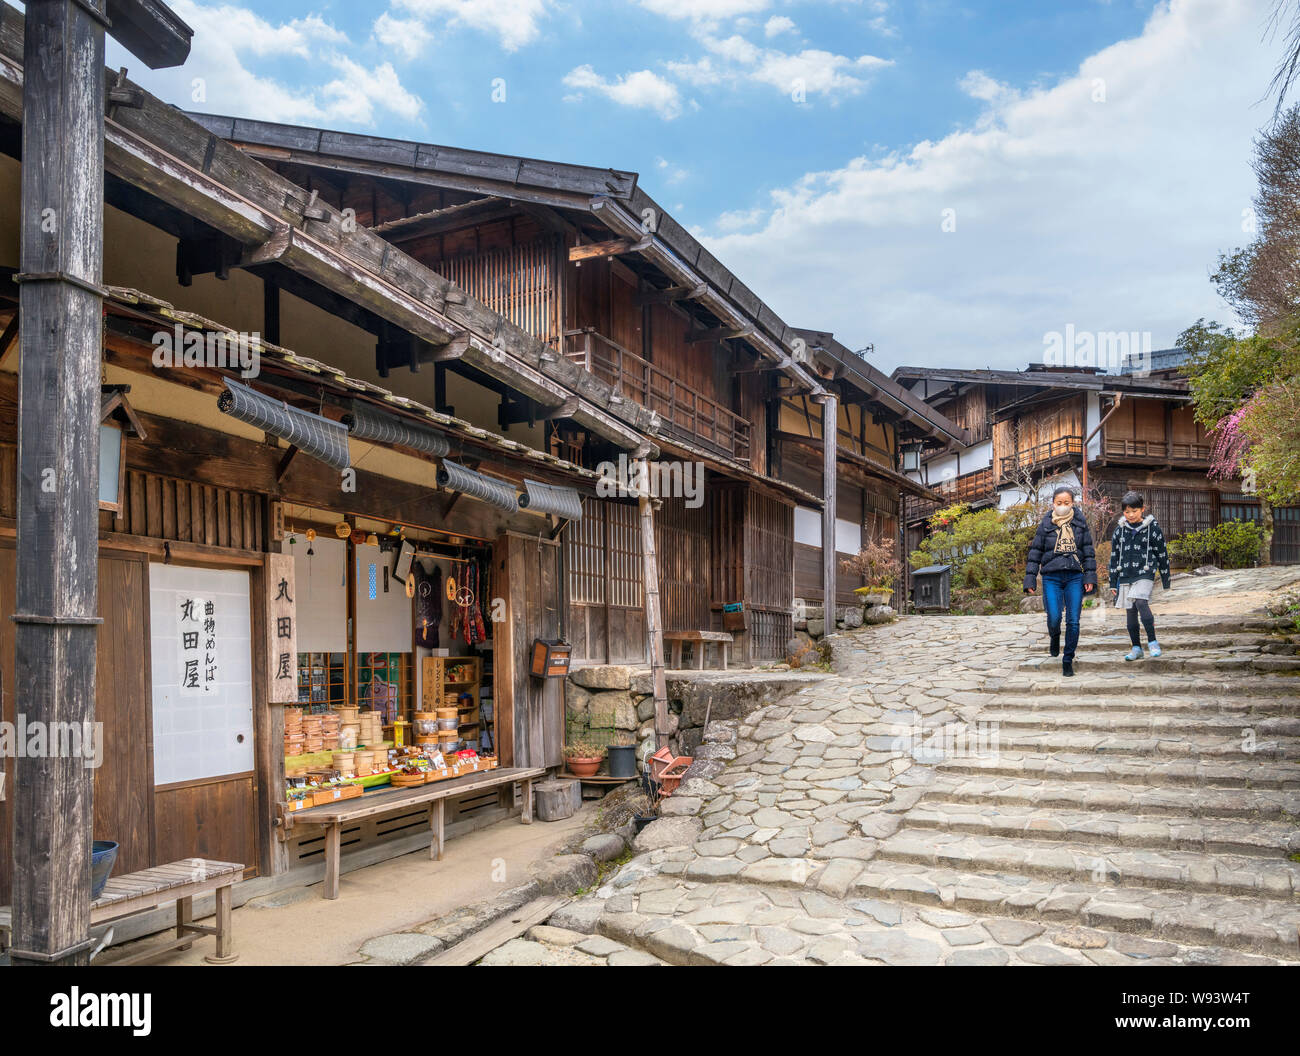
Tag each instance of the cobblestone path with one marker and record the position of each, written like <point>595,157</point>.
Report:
<point>948,798</point>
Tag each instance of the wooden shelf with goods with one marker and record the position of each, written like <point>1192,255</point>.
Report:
<point>443,675</point>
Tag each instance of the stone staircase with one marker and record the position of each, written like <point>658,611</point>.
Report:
<point>1159,798</point>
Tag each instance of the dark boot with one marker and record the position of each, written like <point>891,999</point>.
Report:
<point>1054,649</point>
<point>1067,669</point>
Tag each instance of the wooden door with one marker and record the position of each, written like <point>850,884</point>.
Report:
<point>529,712</point>
<point>123,790</point>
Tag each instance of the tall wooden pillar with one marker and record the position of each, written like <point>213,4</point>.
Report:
<point>654,627</point>
<point>830,433</point>
<point>61,261</point>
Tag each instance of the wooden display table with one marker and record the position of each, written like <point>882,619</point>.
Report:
<point>333,816</point>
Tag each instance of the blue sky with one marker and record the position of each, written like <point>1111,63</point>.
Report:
<point>817,146</point>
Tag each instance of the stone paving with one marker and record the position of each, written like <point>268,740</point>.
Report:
<point>948,798</point>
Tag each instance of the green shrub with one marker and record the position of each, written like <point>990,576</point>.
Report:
<point>985,547</point>
<point>1233,544</point>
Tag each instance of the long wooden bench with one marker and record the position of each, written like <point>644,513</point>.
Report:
<point>699,638</point>
<point>180,882</point>
<point>334,816</point>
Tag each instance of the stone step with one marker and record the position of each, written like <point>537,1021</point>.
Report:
<point>1072,862</point>
<point>1129,769</point>
<point>1181,801</point>
<point>1248,836</point>
<point>1249,925</point>
<point>1181,639</point>
<point>1230,745</point>
<point>1184,704</point>
<point>1209,663</point>
<point>1143,680</point>
<point>1161,722</point>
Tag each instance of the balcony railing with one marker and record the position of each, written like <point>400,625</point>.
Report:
<point>1040,455</point>
<point>1155,450</point>
<point>969,487</point>
<point>684,411</point>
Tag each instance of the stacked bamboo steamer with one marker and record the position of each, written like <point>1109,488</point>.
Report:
<point>313,734</point>
<point>345,762</point>
<point>293,735</point>
<point>372,727</point>
<point>329,725</point>
<point>426,727</point>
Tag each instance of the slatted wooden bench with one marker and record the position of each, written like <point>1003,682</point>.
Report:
<point>699,638</point>
<point>179,882</point>
<point>334,816</point>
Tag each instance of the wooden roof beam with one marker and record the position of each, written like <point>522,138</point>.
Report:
<point>613,248</point>
<point>352,263</point>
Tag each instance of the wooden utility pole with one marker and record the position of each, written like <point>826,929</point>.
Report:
<point>653,620</point>
<point>830,436</point>
<point>61,261</point>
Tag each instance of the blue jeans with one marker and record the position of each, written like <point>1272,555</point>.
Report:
<point>1063,590</point>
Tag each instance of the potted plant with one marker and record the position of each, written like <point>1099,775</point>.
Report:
<point>878,564</point>
<point>583,758</point>
<point>622,756</point>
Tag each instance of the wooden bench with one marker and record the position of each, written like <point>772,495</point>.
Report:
<point>333,816</point>
<point>723,638</point>
<point>179,882</point>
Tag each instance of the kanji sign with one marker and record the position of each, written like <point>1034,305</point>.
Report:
<point>282,630</point>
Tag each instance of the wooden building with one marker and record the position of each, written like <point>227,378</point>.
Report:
<point>503,325</point>
<point>1033,429</point>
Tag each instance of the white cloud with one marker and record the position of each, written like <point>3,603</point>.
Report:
<point>670,173</point>
<point>703,10</point>
<point>407,36</point>
<point>355,95</point>
<point>778,24</point>
<point>813,69</point>
<point>216,79</point>
<point>643,89</point>
<point>514,22</point>
<point>1108,215</point>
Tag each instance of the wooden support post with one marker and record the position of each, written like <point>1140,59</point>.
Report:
<point>526,813</point>
<point>830,432</point>
<point>437,819</point>
<point>225,951</point>
<point>58,453</point>
<point>184,918</point>
<point>60,304</point>
<point>653,622</point>
<point>333,842</point>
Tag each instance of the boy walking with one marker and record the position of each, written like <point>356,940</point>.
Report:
<point>1137,553</point>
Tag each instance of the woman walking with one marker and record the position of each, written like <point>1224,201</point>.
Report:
<point>1137,553</point>
<point>1062,551</point>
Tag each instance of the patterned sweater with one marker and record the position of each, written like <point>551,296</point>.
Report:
<point>1138,552</point>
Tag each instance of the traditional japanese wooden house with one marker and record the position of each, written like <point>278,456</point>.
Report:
<point>1035,428</point>
<point>328,360</point>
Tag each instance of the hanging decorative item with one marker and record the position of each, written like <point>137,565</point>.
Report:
<point>451,588</point>
<point>343,529</point>
<point>311,535</point>
<point>410,585</point>
<point>372,539</point>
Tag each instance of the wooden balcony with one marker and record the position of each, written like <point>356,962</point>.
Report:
<point>685,412</point>
<point>1061,449</point>
<point>1155,451</point>
<point>969,487</point>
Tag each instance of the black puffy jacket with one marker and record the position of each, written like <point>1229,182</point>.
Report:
<point>1044,558</point>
